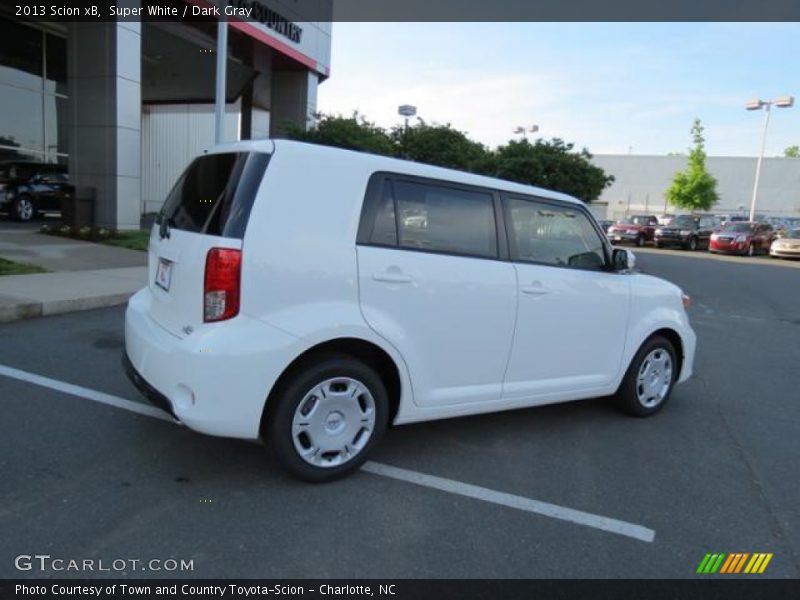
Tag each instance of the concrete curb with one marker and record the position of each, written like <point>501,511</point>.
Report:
<point>31,310</point>
<point>44,294</point>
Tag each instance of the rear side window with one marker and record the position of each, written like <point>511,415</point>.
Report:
<point>445,219</point>
<point>215,194</point>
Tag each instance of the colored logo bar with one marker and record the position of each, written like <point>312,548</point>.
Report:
<point>735,562</point>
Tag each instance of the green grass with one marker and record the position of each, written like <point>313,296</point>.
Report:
<point>133,240</point>
<point>8,267</point>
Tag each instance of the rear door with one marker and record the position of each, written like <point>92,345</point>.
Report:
<point>209,207</point>
<point>432,283</point>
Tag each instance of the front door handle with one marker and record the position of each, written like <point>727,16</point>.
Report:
<point>391,277</point>
<point>535,289</point>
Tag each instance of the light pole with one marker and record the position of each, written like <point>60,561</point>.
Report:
<point>406,110</point>
<point>520,130</point>
<point>782,102</point>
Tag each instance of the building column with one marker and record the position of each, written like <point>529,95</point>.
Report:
<point>294,99</point>
<point>104,70</point>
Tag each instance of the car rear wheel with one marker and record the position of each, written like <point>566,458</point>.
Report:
<point>23,208</point>
<point>640,241</point>
<point>650,378</point>
<point>327,419</point>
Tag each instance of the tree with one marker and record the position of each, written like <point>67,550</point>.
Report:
<point>792,152</point>
<point>695,188</point>
<point>353,133</point>
<point>553,165</point>
<point>443,146</point>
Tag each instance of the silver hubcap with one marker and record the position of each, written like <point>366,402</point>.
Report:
<point>333,422</point>
<point>655,378</point>
<point>24,209</point>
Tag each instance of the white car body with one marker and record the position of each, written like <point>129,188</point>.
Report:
<point>466,335</point>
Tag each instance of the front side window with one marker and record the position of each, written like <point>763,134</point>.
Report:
<point>445,219</point>
<point>553,235</point>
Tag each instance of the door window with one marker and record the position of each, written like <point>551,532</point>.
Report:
<point>445,219</point>
<point>551,234</point>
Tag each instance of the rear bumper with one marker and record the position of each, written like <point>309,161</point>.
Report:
<point>217,379</point>
<point>148,391</point>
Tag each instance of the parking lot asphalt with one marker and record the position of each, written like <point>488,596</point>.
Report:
<point>716,471</point>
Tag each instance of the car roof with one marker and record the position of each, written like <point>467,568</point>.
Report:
<point>384,163</point>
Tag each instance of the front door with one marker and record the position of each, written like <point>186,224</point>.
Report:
<point>573,313</point>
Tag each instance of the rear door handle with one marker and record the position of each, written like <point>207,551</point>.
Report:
<point>535,289</point>
<point>390,277</point>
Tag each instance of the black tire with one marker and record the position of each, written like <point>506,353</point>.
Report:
<point>628,395</point>
<point>692,245</point>
<point>279,424</point>
<point>640,241</point>
<point>23,209</point>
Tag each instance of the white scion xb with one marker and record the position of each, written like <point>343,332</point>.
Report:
<point>311,296</point>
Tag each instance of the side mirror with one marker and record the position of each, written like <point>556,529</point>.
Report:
<point>623,259</point>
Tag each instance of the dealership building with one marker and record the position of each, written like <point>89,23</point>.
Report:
<point>126,104</point>
<point>641,182</point>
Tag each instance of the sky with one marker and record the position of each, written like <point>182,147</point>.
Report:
<point>614,88</point>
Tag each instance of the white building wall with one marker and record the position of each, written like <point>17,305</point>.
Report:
<point>172,135</point>
<point>642,181</point>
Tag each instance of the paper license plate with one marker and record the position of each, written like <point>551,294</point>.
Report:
<point>164,274</point>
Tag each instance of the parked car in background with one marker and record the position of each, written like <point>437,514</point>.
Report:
<point>733,219</point>
<point>638,229</point>
<point>27,188</point>
<point>747,237</point>
<point>665,218</point>
<point>787,246</point>
<point>686,231</point>
<point>605,224</point>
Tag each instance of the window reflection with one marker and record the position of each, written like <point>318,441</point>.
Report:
<point>33,100</point>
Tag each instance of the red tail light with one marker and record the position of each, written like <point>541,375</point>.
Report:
<point>222,284</point>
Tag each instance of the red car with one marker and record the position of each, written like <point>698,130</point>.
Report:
<point>742,238</point>
<point>638,229</point>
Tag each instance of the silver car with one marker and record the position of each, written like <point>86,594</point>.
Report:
<point>787,246</point>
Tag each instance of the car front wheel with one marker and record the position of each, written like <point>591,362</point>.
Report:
<point>327,419</point>
<point>23,209</point>
<point>650,378</point>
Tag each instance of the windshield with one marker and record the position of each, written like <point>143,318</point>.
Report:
<point>794,234</point>
<point>684,221</point>
<point>635,221</point>
<point>738,227</point>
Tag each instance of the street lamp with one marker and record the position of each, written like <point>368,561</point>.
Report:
<point>406,110</point>
<point>520,130</point>
<point>758,104</point>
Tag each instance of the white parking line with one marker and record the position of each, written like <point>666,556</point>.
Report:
<point>451,486</point>
<point>546,509</point>
<point>82,392</point>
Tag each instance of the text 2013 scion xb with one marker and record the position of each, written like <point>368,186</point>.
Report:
<point>312,296</point>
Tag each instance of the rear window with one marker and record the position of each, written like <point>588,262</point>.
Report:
<point>215,194</point>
